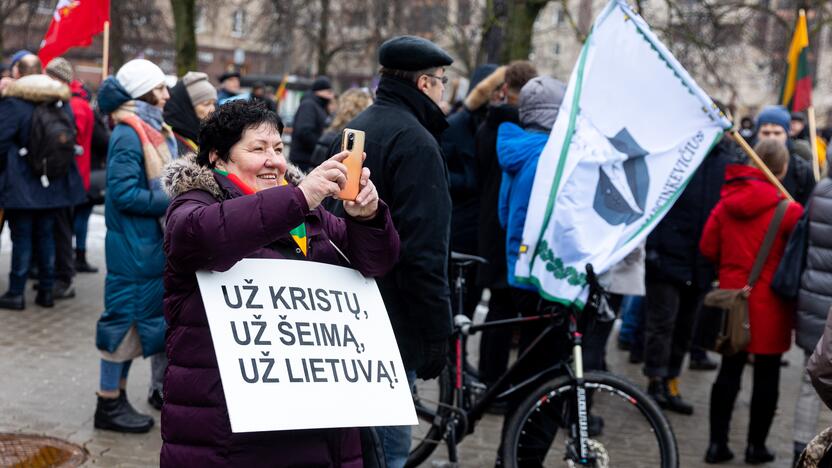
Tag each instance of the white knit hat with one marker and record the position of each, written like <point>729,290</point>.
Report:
<point>139,76</point>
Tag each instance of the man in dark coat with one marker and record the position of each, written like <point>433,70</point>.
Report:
<point>458,148</point>
<point>406,164</point>
<point>677,276</point>
<point>504,301</point>
<point>311,119</point>
<point>32,204</point>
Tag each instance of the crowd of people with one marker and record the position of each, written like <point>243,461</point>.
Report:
<point>194,177</point>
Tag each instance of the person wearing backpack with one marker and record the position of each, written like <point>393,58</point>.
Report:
<point>39,177</point>
<point>733,239</point>
<point>60,69</point>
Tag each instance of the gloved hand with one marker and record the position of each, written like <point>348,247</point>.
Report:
<point>436,358</point>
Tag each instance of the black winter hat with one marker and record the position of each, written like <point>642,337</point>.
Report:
<point>321,83</point>
<point>229,74</point>
<point>412,53</point>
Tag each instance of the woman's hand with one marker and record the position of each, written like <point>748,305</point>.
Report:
<point>325,180</point>
<point>365,205</point>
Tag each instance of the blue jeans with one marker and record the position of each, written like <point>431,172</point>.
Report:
<point>396,439</point>
<point>112,373</point>
<point>632,316</point>
<point>81,224</point>
<point>28,226</point>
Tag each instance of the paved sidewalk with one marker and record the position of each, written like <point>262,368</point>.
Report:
<point>49,369</point>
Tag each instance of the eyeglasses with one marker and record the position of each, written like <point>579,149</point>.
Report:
<point>443,79</point>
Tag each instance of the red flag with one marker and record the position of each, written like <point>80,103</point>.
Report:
<point>74,23</point>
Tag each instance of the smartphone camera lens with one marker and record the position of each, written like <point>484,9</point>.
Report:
<point>350,141</point>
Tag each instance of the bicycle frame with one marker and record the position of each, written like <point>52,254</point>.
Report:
<point>502,388</point>
<point>462,420</point>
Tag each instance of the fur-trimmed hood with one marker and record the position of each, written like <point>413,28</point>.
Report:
<point>184,174</point>
<point>38,88</point>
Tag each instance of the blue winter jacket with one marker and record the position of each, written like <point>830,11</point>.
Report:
<point>133,289</point>
<point>20,188</point>
<point>517,152</point>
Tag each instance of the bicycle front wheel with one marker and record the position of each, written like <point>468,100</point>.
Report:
<point>626,427</point>
<point>433,400</point>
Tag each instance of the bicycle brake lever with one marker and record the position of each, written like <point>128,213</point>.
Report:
<point>462,323</point>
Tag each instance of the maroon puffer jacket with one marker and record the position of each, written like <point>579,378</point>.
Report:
<point>211,225</point>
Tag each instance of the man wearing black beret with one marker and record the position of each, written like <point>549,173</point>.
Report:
<point>311,119</point>
<point>402,130</point>
<point>229,86</point>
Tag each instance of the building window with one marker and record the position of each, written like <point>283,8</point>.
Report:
<point>238,23</point>
<point>199,19</point>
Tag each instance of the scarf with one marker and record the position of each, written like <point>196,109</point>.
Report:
<point>298,233</point>
<point>154,135</point>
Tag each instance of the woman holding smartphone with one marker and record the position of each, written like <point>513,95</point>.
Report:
<point>240,199</point>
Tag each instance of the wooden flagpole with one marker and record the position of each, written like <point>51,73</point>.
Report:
<point>760,164</point>
<point>105,62</point>
<point>813,135</point>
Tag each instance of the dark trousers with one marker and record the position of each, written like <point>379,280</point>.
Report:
<point>64,254</point>
<point>28,227</point>
<point>80,224</point>
<point>763,396</point>
<point>495,344</point>
<point>671,310</point>
<point>596,337</point>
<point>552,349</point>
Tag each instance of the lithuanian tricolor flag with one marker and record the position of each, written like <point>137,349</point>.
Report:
<point>281,90</point>
<point>797,87</point>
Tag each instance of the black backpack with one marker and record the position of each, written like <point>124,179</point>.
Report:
<point>52,149</point>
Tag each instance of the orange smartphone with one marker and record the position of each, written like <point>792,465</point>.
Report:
<point>352,141</point>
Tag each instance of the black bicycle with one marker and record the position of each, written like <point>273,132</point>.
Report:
<point>566,417</point>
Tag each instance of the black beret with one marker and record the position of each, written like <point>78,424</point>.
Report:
<point>411,53</point>
<point>229,74</point>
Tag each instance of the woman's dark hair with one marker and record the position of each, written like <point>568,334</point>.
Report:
<point>149,98</point>
<point>225,127</point>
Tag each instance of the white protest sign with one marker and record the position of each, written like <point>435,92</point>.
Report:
<point>303,345</point>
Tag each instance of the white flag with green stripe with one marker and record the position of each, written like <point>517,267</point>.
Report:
<point>631,131</point>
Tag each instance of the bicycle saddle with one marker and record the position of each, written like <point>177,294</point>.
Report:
<point>462,259</point>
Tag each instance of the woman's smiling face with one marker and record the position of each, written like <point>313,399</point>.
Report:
<point>257,159</point>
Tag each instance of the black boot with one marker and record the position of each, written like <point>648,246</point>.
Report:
<point>675,402</point>
<point>116,414</point>
<point>45,298</point>
<point>658,392</point>
<point>718,453</point>
<point>156,399</point>
<point>666,394</point>
<point>758,454</point>
<point>81,265</point>
<point>12,301</point>
<point>63,290</point>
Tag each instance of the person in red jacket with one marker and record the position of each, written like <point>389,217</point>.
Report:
<point>732,237</point>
